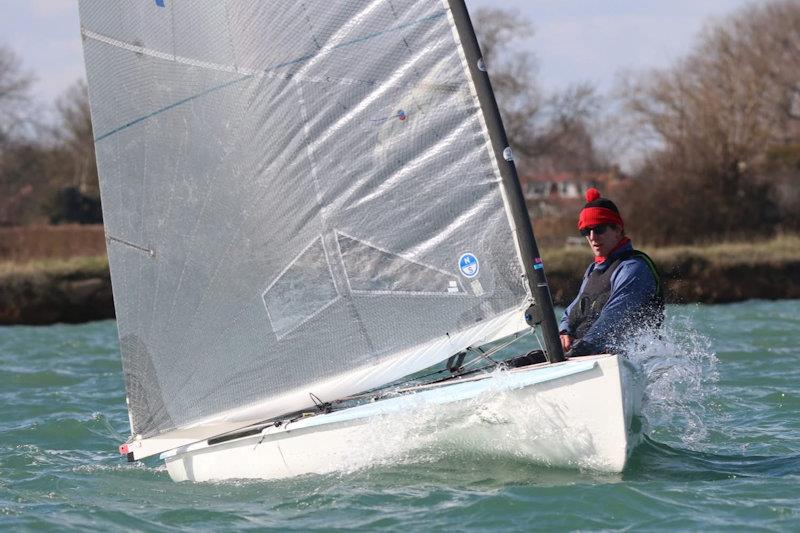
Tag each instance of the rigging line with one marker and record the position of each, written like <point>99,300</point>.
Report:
<point>493,364</point>
<point>482,354</point>
<point>226,68</point>
<point>385,391</point>
<point>495,349</point>
<point>322,407</point>
<point>537,335</point>
<point>460,375</point>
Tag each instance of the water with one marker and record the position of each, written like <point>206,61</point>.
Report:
<point>722,449</point>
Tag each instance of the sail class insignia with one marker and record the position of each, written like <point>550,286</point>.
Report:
<point>468,265</point>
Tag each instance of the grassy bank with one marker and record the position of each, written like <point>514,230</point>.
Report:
<point>78,289</point>
<point>55,290</point>
<point>714,273</point>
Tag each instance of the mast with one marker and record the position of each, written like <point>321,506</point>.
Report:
<point>529,251</point>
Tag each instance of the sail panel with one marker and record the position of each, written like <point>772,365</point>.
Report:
<point>294,193</point>
<point>362,379</point>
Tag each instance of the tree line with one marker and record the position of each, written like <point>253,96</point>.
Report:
<point>717,133</point>
<point>726,122</point>
<point>47,164</point>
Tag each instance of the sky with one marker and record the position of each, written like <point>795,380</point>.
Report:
<point>574,40</point>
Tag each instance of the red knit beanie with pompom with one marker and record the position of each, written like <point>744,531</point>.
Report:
<point>598,211</point>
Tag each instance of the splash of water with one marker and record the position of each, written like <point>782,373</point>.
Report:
<point>504,425</point>
<point>681,371</point>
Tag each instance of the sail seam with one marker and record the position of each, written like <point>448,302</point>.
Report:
<point>461,293</point>
<point>367,37</point>
<point>163,55</point>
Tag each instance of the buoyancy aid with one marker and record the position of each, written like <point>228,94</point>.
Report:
<point>597,290</point>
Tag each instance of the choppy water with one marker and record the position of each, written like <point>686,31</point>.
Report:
<point>722,449</point>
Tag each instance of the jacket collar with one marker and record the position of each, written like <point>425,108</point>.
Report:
<point>625,245</point>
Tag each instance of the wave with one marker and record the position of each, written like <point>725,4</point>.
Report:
<point>655,460</point>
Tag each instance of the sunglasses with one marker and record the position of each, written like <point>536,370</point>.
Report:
<point>598,230</point>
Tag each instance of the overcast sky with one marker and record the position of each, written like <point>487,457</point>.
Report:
<point>574,40</point>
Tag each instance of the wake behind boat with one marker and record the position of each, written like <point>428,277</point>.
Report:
<point>306,201</point>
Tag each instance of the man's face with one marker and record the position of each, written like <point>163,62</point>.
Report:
<point>603,238</point>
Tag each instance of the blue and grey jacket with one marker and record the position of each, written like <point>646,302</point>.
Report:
<point>616,297</point>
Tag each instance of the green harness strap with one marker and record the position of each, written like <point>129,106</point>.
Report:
<point>652,266</point>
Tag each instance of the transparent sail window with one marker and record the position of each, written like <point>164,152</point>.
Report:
<point>370,269</point>
<point>301,291</point>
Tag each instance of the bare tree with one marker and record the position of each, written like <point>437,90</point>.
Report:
<point>717,115</point>
<point>15,85</point>
<point>737,94</point>
<point>548,132</point>
<point>73,134</point>
<point>15,103</point>
<point>513,72</point>
<point>770,41</point>
<point>51,175</point>
<point>565,141</point>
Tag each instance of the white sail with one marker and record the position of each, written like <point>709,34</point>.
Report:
<point>299,198</point>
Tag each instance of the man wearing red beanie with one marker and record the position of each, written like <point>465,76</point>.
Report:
<point>621,289</point>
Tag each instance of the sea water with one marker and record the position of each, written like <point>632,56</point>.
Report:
<point>721,451</point>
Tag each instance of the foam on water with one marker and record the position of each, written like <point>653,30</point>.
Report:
<point>681,371</point>
<point>502,424</point>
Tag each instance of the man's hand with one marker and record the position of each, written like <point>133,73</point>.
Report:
<point>566,342</point>
<point>581,347</point>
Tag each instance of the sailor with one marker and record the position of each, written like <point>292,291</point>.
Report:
<point>621,290</point>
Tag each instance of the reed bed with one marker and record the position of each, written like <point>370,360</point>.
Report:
<point>23,244</point>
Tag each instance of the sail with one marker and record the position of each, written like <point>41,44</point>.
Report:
<point>300,198</point>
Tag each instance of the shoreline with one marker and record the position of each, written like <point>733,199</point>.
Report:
<point>56,291</point>
<point>78,290</point>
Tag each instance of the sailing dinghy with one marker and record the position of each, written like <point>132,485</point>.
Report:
<point>305,202</point>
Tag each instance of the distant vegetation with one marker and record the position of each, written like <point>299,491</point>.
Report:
<point>39,269</point>
<point>55,290</point>
<point>41,289</point>
<point>781,249</point>
<point>718,273</point>
<point>54,274</point>
<point>48,172</point>
<point>719,133</point>
<point>727,122</point>
<point>37,242</point>
<point>719,130</point>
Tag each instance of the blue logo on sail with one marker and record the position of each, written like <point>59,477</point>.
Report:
<point>468,265</point>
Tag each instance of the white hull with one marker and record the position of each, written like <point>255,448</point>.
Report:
<point>581,413</point>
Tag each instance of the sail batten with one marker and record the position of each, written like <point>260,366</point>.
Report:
<point>318,188</point>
